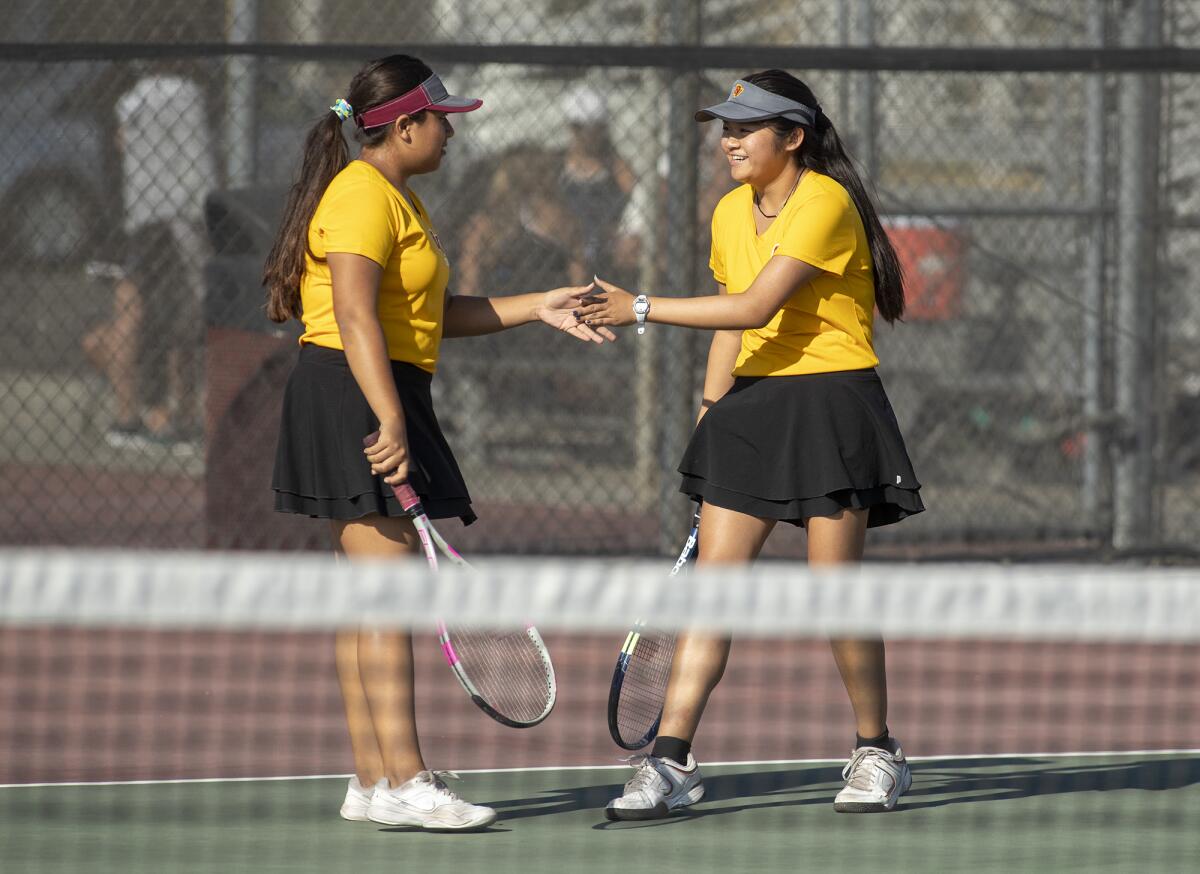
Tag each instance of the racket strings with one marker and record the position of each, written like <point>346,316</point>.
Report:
<point>644,687</point>
<point>507,669</point>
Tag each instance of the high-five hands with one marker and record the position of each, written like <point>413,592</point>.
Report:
<point>610,305</point>
<point>559,307</point>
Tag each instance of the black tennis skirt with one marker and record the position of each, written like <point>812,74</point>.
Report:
<point>320,469</point>
<point>793,447</point>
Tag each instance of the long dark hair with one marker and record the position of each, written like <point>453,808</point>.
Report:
<point>823,151</point>
<point>326,153</point>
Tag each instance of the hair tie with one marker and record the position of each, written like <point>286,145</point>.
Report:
<point>341,109</point>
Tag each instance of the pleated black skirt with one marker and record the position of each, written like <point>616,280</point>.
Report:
<point>793,447</point>
<point>320,469</point>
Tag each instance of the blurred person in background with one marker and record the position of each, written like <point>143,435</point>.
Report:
<point>545,211</point>
<point>150,347</point>
<point>358,262</point>
<point>523,234</point>
<point>639,225</point>
<point>794,425</point>
<point>595,184</point>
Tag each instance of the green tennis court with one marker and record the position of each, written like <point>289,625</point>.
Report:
<point>130,742</point>
<point>1082,813</point>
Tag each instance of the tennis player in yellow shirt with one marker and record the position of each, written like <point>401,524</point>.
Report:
<point>358,262</point>
<point>795,425</point>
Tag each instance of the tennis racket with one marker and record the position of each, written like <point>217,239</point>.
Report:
<point>639,682</point>
<point>508,674</point>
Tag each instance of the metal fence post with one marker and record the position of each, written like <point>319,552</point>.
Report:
<point>1096,180</point>
<point>241,121</point>
<point>865,121</point>
<point>647,388</point>
<point>1139,114</point>
<point>675,368</point>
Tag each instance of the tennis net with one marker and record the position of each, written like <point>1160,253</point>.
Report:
<point>181,712</point>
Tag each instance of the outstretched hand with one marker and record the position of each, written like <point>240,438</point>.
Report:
<point>558,309</point>
<point>610,305</point>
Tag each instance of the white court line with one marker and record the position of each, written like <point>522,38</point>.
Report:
<point>945,758</point>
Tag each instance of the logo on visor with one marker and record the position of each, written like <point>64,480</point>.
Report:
<point>737,91</point>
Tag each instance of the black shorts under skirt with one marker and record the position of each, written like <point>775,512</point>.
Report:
<point>793,447</point>
<point>320,469</point>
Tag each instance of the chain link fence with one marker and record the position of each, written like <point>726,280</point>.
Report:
<point>1043,201</point>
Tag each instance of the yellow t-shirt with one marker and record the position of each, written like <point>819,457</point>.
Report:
<point>361,213</point>
<point>825,326</point>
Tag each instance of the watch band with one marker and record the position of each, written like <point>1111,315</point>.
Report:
<point>641,309</point>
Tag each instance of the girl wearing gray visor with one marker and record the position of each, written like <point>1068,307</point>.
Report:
<point>794,425</point>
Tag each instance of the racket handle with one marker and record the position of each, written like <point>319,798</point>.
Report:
<point>406,496</point>
<point>404,492</point>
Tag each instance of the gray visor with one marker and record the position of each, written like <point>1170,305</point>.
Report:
<point>748,102</point>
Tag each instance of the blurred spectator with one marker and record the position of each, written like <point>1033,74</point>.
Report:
<point>596,184</point>
<point>522,237</point>
<point>547,217</point>
<point>149,349</point>
<point>641,224</point>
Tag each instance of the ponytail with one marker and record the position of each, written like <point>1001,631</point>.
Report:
<point>326,153</point>
<point>823,152</point>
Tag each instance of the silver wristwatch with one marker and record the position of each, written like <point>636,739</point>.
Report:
<point>641,308</point>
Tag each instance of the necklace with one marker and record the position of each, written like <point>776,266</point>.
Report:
<point>758,205</point>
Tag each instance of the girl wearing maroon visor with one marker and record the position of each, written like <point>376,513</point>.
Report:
<point>358,263</point>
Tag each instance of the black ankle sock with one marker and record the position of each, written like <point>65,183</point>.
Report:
<point>883,742</point>
<point>673,748</point>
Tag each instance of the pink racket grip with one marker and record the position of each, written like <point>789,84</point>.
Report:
<point>406,496</point>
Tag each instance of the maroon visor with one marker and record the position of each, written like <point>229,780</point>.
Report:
<point>430,94</point>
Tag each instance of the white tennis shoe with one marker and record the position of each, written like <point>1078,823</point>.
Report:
<point>875,780</point>
<point>658,787</point>
<point>426,802</point>
<point>358,799</point>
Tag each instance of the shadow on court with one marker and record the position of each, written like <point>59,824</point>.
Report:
<point>718,787</point>
<point>954,782</point>
<point>935,784</point>
<point>942,783</point>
